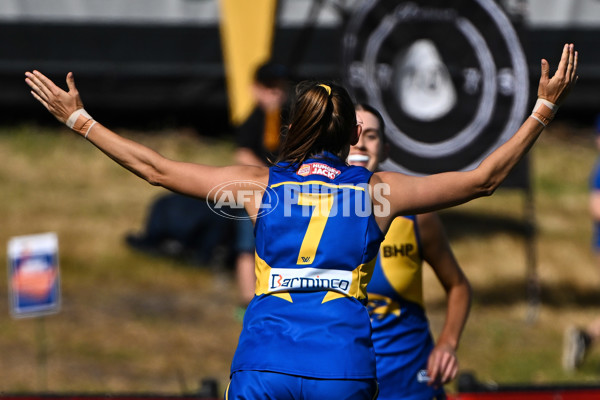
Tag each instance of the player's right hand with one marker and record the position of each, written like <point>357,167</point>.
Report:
<point>61,104</point>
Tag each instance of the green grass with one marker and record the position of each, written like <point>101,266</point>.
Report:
<point>130,323</point>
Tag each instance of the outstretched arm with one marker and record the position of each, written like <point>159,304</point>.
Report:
<point>442,365</point>
<point>187,178</point>
<point>448,189</point>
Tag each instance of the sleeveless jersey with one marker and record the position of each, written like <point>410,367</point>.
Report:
<point>316,247</point>
<point>401,335</point>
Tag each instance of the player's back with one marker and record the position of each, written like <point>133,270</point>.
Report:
<point>315,249</point>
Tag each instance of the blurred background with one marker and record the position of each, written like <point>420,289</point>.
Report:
<point>453,79</point>
<point>165,60</point>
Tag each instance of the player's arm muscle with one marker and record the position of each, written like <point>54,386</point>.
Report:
<point>187,178</point>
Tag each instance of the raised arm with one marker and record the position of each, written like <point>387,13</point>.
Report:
<point>187,178</point>
<point>408,194</point>
<point>442,364</point>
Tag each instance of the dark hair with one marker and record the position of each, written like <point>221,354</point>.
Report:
<point>272,75</point>
<point>320,120</point>
<point>370,109</point>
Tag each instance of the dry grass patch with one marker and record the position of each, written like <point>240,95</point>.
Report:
<point>130,323</point>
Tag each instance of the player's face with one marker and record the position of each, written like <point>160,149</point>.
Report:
<point>368,152</point>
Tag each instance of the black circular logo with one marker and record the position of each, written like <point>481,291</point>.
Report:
<point>449,78</point>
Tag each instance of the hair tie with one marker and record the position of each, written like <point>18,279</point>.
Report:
<point>326,87</point>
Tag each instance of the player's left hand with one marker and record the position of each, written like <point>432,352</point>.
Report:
<point>442,365</point>
<point>61,104</point>
<point>556,88</point>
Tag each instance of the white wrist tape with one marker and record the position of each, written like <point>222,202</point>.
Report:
<point>544,111</point>
<point>553,107</point>
<point>73,117</point>
<point>89,129</point>
<point>539,120</point>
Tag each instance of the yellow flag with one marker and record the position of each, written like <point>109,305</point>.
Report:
<point>246,39</point>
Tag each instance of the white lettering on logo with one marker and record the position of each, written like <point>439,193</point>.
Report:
<point>286,279</point>
<point>318,169</point>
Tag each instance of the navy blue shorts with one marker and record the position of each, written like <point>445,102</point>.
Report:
<point>262,385</point>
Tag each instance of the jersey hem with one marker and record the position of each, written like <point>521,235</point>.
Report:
<point>305,374</point>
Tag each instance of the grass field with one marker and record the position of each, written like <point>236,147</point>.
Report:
<point>130,323</point>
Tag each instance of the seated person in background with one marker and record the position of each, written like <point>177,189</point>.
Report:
<point>409,364</point>
<point>257,141</point>
<point>258,137</point>
<point>184,228</point>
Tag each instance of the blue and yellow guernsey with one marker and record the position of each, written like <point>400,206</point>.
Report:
<point>315,251</point>
<point>401,334</point>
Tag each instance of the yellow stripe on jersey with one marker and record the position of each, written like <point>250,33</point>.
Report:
<point>318,183</point>
<point>262,271</point>
<point>401,260</point>
<point>361,276</point>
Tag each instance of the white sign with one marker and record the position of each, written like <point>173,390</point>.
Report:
<point>33,275</point>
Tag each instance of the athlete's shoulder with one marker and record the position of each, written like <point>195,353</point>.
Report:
<point>403,225</point>
<point>357,173</point>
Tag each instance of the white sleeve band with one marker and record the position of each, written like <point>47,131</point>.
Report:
<point>532,116</point>
<point>553,107</point>
<point>73,117</point>
<point>89,129</point>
